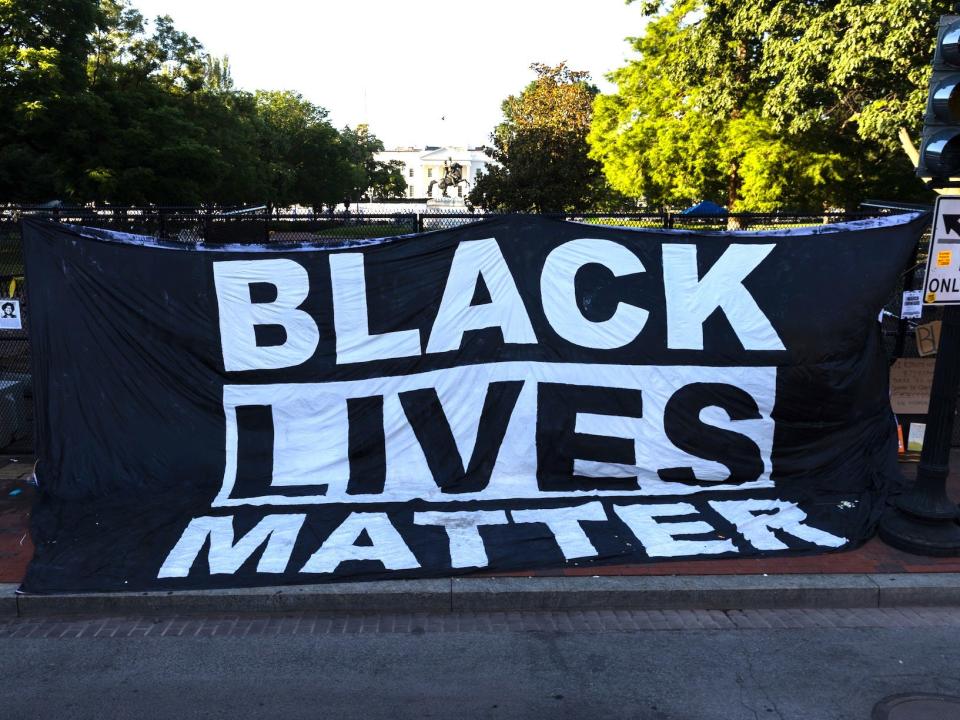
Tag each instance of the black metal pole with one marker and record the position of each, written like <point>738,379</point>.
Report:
<point>902,323</point>
<point>923,520</point>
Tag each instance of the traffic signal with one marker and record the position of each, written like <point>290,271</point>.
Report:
<point>940,147</point>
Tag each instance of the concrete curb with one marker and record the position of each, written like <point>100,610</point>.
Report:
<point>918,589</point>
<point>390,595</point>
<point>8,600</point>
<point>700,592</point>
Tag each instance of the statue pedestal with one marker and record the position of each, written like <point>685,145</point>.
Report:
<point>452,203</point>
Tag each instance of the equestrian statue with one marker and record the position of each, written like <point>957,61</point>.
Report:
<point>452,177</point>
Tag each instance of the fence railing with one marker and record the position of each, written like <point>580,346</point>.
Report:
<point>191,225</point>
<point>256,225</point>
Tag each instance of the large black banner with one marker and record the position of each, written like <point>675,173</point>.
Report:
<point>518,393</point>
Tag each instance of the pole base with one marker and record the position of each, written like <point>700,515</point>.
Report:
<point>927,503</point>
<point>933,538</point>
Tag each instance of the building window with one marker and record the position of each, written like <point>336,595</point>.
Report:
<point>429,172</point>
<point>477,173</point>
<point>459,190</point>
<point>411,172</point>
<point>410,191</point>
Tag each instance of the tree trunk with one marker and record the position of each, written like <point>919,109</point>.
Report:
<point>733,194</point>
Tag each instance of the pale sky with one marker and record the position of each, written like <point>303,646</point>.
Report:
<point>402,66</point>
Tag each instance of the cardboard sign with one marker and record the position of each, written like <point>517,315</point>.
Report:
<point>928,338</point>
<point>910,382</point>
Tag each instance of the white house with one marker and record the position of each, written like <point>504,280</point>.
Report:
<point>423,165</point>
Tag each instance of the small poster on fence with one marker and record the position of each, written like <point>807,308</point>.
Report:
<point>10,315</point>
<point>912,307</point>
<point>915,437</point>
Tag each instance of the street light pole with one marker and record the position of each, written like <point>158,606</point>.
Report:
<point>923,520</point>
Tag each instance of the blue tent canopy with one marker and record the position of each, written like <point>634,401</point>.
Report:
<point>705,208</point>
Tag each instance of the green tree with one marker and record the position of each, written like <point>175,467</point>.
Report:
<point>109,107</point>
<point>768,103</point>
<point>140,129</point>
<point>288,125</point>
<point>540,148</point>
<point>43,54</point>
<point>369,176</point>
<point>386,180</point>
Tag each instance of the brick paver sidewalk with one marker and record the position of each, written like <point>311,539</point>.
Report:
<point>16,497</point>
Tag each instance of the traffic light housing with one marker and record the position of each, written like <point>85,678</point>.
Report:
<point>940,147</point>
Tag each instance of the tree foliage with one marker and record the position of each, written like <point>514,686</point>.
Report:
<point>109,107</point>
<point>541,150</point>
<point>43,53</point>
<point>382,179</point>
<point>768,103</point>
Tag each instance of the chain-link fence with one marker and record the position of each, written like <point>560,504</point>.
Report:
<point>258,225</point>
<point>443,219</point>
<point>190,225</point>
<point>16,396</point>
<point>901,333</point>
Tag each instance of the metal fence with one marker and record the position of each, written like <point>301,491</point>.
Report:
<point>16,398</point>
<point>194,225</point>
<point>241,225</point>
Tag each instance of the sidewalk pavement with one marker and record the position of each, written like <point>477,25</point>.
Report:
<point>16,498</point>
<point>874,575</point>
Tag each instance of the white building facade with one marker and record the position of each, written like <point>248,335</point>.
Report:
<point>421,166</point>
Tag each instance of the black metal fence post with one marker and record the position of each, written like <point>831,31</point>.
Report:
<point>902,323</point>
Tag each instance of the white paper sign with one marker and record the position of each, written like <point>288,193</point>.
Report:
<point>912,304</point>
<point>10,315</point>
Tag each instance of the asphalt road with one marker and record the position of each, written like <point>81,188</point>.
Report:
<point>781,664</point>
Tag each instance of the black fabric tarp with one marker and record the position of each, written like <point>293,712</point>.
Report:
<point>513,394</point>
